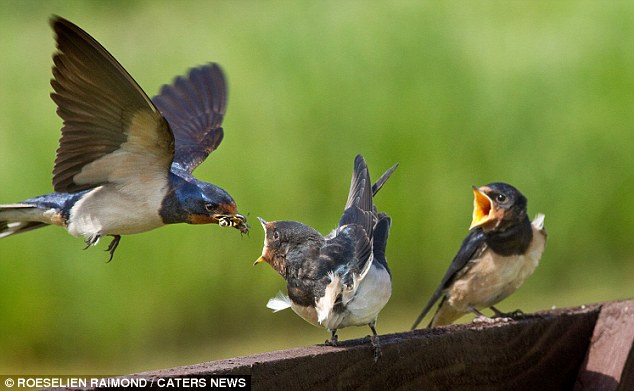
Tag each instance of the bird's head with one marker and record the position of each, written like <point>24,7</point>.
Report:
<point>203,203</point>
<point>283,240</point>
<point>497,205</point>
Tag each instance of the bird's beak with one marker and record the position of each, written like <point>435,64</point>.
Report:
<point>259,260</point>
<point>263,222</point>
<point>483,208</point>
<point>262,259</point>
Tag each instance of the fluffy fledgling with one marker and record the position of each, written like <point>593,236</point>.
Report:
<point>341,279</point>
<point>501,251</point>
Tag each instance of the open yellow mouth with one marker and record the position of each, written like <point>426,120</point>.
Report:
<point>482,208</point>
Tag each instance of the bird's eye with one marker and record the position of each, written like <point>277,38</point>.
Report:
<point>500,198</point>
<point>276,235</point>
<point>209,207</point>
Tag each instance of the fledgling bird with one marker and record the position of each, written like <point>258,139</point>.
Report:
<point>124,163</point>
<point>341,279</point>
<point>501,251</point>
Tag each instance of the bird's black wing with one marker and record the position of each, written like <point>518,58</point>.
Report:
<point>104,111</point>
<point>379,240</point>
<point>471,246</point>
<point>358,212</point>
<point>194,108</point>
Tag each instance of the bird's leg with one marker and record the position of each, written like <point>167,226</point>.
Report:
<point>513,315</point>
<point>333,338</point>
<point>92,240</point>
<point>113,246</point>
<point>374,340</point>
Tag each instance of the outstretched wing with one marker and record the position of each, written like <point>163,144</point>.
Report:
<point>194,108</point>
<point>112,132</point>
<point>471,246</point>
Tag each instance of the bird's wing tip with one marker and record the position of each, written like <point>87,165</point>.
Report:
<point>538,221</point>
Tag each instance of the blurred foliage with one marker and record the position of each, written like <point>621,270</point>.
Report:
<point>538,94</point>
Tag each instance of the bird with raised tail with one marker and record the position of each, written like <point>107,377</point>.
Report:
<point>124,163</point>
<point>341,279</point>
<point>501,251</point>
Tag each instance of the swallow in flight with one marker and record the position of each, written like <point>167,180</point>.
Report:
<point>124,163</point>
<point>502,250</point>
<point>341,279</point>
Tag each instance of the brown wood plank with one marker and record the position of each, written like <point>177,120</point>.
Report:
<point>609,362</point>
<point>541,352</point>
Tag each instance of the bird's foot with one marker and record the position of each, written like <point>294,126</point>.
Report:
<point>374,340</point>
<point>92,240</point>
<point>517,314</point>
<point>113,246</point>
<point>334,339</point>
<point>376,347</point>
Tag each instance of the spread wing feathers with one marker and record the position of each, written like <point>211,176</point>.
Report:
<point>279,302</point>
<point>104,111</point>
<point>358,209</point>
<point>471,246</point>
<point>360,213</point>
<point>194,108</point>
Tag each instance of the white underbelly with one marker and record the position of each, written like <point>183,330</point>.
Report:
<point>104,211</point>
<point>371,296</point>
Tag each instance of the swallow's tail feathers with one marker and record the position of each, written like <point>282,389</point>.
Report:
<point>428,306</point>
<point>381,181</point>
<point>279,302</point>
<point>19,218</point>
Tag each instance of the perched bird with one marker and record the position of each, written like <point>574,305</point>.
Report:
<point>341,279</point>
<point>499,254</point>
<point>124,161</point>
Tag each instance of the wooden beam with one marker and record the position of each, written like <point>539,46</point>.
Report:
<point>542,352</point>
<point>609,362</point>
<point>585,348</point>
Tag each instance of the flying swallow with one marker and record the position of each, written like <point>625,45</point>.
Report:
<point>502,250</point>
<point>124,163</point>
<point>342,279</point>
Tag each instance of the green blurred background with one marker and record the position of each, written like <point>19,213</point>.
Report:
<point>536,94</point>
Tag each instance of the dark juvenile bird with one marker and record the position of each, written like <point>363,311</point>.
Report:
<point>499,254</point>
<point>124,162</point>
<point>342,279</point>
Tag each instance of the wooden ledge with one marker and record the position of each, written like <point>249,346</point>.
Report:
<point>583,348</point>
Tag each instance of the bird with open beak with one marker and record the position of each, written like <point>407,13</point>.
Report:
<point>124,163</point>
<point>502,250</point>
<point>341,279</point>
